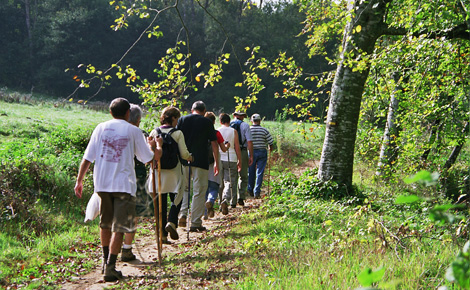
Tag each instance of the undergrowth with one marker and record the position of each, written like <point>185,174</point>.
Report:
<point>316,235</point>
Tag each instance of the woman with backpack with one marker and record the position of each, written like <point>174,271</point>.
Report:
<point>173,148</point>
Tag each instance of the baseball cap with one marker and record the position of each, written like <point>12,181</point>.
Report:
<point>255,117</point>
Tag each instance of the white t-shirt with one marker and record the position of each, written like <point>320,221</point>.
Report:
<point>112,146</point>
<point>229,135</point>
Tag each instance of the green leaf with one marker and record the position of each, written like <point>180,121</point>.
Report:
<point>407,199</point>
<point>441,215</point>
<point>368,277</point>
<point>423,176</point>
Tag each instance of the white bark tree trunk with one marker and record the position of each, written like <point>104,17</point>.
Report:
<point>361,33</point>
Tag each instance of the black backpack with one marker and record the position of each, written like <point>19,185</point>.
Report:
<point>236,124</point>
<point>170,151</point>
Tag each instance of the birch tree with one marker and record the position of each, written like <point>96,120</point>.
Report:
<point>370,31</point>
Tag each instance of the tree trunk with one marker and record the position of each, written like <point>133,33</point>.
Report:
<point>29,29</point>
<point>433,136</point>
<point>360,36</point>
<point>388,151</point>
<point>455,153</point>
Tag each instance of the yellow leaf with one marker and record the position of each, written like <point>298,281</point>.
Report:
<point>358,28</point>
<point>198,79</point>
<point>80,101</point>
<point>71,100</point>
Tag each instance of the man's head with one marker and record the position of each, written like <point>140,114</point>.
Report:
<point>198,108</point>
<point>135,115</point>
<point>119,108</point>
<point>224,118</point>
<point>256,119</point>
<point>239,115</point>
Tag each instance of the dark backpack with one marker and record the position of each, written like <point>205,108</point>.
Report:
<point>170,151</point>
<point>236,124</point>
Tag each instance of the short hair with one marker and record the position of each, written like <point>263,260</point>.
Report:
<point>224,118</point>
<point>135,115</point>
<point>167,115</point>
<point>199,106</point>
<point>119,107</point>
<point>210,116</point>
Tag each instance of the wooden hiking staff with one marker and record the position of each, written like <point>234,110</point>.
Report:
<point>189,196</point>
<point>156,213</point>
<point>269,168</point>
<point>160,213</point>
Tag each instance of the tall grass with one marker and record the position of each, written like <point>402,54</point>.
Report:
<point>41,145</point>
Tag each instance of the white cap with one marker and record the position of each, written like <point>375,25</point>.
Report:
<point>255,117</point>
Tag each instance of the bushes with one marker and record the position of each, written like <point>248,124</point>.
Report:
<point>37,178</point>
<point>308,186</point>
<point>293,196</point>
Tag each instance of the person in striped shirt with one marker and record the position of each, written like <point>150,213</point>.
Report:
<point>262,139</point>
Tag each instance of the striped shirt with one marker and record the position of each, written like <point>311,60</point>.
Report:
<point>261,137</point>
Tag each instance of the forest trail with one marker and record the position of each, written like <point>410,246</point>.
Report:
<point>146,271</point>
<point>146,268</point>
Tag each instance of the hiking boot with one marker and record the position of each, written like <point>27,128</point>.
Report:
<point>250,193</point>
<point>224,208</point>
<point>111,274</point>
<point>171,229</point>
<point>197,229</point>
<point>210,209</point>
<point>182,221</point>
<point>241,202</point>
<point>127,255</point>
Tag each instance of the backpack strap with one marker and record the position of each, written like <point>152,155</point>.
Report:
<point>172,130</point>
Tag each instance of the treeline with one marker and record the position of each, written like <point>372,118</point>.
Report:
<point>40,40</point>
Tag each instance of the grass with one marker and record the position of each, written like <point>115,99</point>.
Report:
<point>307,236</point>
<point>40,149</point>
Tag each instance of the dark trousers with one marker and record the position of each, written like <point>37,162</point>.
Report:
<point>174,211</point>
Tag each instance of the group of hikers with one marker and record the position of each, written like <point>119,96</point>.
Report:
<point>227,163</point>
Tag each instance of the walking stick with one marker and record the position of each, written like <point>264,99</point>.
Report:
<point>160,213</point>
<point>189,196</point>
<point>229,174</point>
<point>269,168</point>
<point>155,210</point>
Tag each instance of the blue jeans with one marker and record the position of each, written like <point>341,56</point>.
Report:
<point>256,171</point>
<point>212,191</point>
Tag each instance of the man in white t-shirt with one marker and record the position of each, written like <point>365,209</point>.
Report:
<point>112,147</point>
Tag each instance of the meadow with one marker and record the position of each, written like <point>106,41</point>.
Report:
<point>307,235</point>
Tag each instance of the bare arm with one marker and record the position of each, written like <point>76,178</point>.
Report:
<point>215,152</point>
<point>250,150</point>
<point>238,151</point>
<point>84,165</point>
<point>224,146</point>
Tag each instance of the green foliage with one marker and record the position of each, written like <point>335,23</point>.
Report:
<point>369,276</point>
<point>459,270</point>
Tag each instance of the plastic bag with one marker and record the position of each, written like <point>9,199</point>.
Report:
<point>93,207</point>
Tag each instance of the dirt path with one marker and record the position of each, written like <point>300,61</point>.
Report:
<point>145,271</point>
<point>177,270</point>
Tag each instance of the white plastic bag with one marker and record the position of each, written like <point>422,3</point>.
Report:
<point>93,207</point>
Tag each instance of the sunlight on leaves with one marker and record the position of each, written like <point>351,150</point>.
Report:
<point>368,276</point>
